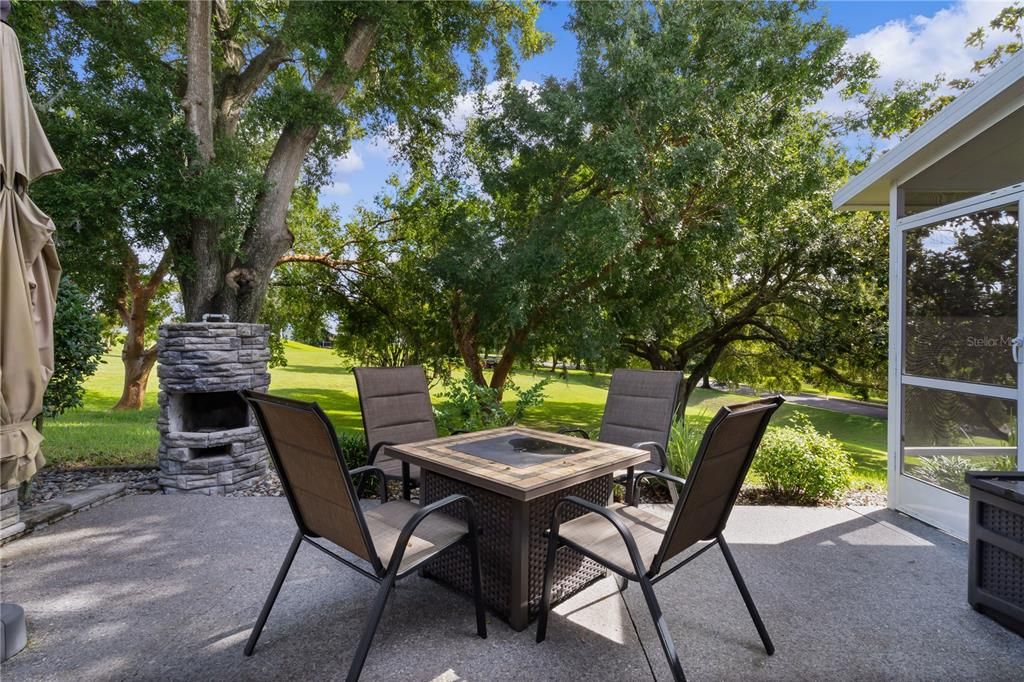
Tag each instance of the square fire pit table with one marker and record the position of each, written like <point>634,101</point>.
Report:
<point>515,476</point>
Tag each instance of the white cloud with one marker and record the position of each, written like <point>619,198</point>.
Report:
<point>379,145</point>
<point>335,190</point>
<point>340,167</point>
<point>921,48</point>
<point>349,163</point>
<point>926,46</point>
<point>467,104</point>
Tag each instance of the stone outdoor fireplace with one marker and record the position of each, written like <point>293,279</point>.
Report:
<point>209,441</point>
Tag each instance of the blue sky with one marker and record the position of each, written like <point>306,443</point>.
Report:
<point>911,40</point>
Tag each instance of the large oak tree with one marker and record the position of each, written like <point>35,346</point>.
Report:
<point>185,128</point>
<point>272,91</point>
<point>294,78</point>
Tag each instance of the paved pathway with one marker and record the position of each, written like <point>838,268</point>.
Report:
<point>840,405</point>
<point>845,405</point>
<point>167,588</point>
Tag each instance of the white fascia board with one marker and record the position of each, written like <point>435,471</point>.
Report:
<point>878,176</point>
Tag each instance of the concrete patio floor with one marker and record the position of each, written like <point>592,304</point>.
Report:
<point>155,587</point>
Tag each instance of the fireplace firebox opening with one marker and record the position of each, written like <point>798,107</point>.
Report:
<point>208,412</point>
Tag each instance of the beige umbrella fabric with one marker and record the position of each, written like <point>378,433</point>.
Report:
<point>29,271</point>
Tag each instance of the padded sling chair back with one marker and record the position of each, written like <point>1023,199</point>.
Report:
<point>639,412</point>
<point>395,404</point>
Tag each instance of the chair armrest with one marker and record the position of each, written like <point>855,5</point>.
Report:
<point>663,476</point>
<point>410,526</point>
<point>668,478</point>
<point>565,430</point>
<point>381,479</point>
<point>659,450</point>
<point>376,450</point>
<point>603,512</point>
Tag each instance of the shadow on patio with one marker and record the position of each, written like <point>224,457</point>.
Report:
<point>168,587</point>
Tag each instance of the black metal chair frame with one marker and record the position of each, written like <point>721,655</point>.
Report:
<point>407,485</point>
<point>384,576</point>
<point>406,472</point>
<point>649,578</point>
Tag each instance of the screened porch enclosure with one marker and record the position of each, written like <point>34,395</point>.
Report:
<point>953,190</point>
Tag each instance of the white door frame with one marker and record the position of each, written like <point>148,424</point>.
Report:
<point>925,501</point>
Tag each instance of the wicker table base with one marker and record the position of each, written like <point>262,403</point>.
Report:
<point>513,546</point>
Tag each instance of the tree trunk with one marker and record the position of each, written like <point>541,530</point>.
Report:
<point>466,344</point>
<point>138,363</point>
<point>513,346</point>
<point>206,271</point>
<point>198,102</point>
<point>237,286</point>
<point>138,360</point>
<point>464,333</point>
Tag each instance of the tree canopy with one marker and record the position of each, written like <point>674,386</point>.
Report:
<point>671,199</point>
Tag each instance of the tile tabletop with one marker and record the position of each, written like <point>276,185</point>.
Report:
<point>510,461</point>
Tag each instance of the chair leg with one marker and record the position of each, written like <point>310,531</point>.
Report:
<point>549,579</point>
<point>376,611</point>
<point>747,599</point>
<point>478,591</point>
<point>272,597</point>
<point>662,627</point>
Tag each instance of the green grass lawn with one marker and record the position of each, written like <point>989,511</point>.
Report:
<point>95,435</point>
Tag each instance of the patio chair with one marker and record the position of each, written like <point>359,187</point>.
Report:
<point>392,539</point>
<point>395,403</point>
<point>638,413</point>
<point>635,543</point>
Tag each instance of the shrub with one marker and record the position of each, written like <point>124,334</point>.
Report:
<point>353,444</point>
<point>684,441</point>
<point>471,407</point>
<point>77,347</point>
<point>798,464</point>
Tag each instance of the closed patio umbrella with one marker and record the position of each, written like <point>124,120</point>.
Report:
<point>29,271</point>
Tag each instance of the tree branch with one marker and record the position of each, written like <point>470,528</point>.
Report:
<point>778,338</point>
<point>239,84</point>
<point>323,259</point>
<point>156,278</point>
<point>268,237</point>
<point>198,103</point>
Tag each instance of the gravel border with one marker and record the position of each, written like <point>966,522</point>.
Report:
<point>51,483</point>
